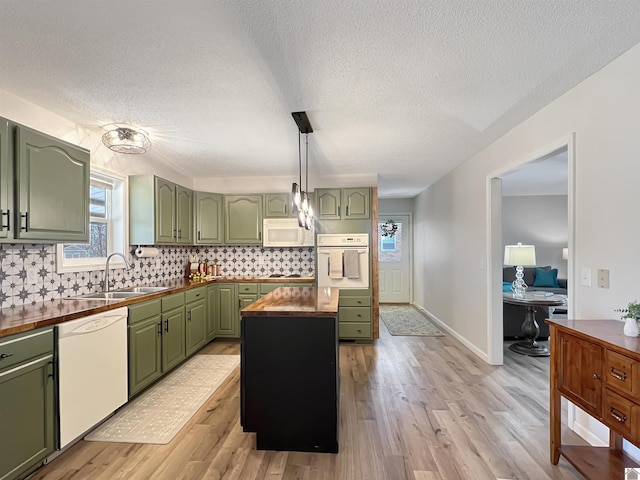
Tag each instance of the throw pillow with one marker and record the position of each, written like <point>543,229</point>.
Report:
<point>506,287</point>
<point>546,278</point>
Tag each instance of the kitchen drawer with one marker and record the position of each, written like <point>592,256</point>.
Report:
<point>354,330</point>
<point>270,287</point>
<point>354,314</point>
<point>621,414</point>
<point>355,292</point>
<point>172,301</point>
<point>354,301</point>
<point>247,288</point>
<point>140,311</point>
<point>622,373</point>
<point>18,348</point>
<point>195,294</point>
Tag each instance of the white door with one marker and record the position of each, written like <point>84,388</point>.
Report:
<point>394,258</point>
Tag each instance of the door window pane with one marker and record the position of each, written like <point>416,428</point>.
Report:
<point>389,243</point>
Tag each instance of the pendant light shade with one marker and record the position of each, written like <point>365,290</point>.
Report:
<point>300,198</point>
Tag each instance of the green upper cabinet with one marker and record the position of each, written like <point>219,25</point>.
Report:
<point>184,207</point>
<point>52,189</point>
<point>209,226</point>
<point>6,185</point>
<point>243,219</point>
<point>160,212</point>
<point>327,205</point>
<point>277,205</point>
<point>343,204</point>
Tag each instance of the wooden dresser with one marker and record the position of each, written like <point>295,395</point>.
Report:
<point>596,367</point>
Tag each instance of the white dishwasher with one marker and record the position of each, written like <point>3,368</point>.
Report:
<point>92,371</point>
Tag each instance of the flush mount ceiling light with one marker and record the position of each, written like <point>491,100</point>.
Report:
<point>300,198</point>
<point>126,140</point>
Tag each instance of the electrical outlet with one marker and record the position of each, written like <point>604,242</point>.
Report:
<point>603,278</point>
<point>32,275</point>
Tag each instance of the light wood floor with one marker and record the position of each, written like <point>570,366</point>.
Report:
<point>421,408</point>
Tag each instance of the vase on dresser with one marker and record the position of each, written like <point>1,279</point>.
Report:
<point>631,327</point>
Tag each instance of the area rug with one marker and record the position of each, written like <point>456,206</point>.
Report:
<point>407,320</point>
<point>158,414</point>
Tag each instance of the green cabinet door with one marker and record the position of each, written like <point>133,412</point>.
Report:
<point>52,182</point>
<point>243,219</point>
<point>277,205</point>
<point>173,338</point>
<point>212,306</point>
<point>6,185</point>
<point>196,326</point>
<point>184,221</point>
<point>26,416</point>
<point>356,203</point>
<point>226,311</point>
<point>165,211</point>
<point>328,203</point>
<point>145,347</point>
<point>209,226</point>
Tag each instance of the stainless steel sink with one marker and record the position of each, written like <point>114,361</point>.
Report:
<point>107,296</point>
<point>142,289</point>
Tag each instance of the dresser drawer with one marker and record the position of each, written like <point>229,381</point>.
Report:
<point>354,314</point>
<point>621,414</point>
<point>621,373</point>
<point>354,330</point>
<point>354,301</point>
<point>16,349</point>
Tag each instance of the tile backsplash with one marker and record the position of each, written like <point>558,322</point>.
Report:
<point>236,261</point>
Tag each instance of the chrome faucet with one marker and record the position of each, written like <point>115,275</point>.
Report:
<point>106,269</point>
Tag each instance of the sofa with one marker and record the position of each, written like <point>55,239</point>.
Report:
<point>513,315</point>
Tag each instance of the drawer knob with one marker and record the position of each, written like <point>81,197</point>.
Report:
<point>618,416</point>
<point>619,375</point>
<point>596,376</point>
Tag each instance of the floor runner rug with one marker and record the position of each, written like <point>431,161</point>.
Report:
<point>407,320</point>
<point>158,414</point>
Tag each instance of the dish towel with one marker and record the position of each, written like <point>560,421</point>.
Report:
<point>335,264</point>
<point>351,264</point>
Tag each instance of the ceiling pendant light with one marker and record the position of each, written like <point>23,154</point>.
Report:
<point>300,198</point>
<point>126,140</point>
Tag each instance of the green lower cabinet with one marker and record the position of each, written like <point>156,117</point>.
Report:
<point>355,316</point>
<point>27,408</point>
<point>173,338</point>
<point>196,325</point>
<point>225,310</point>
<point>212,303</point>
<point>145,353</point>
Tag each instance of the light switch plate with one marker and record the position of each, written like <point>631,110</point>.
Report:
<point>585,277</point>
<point>603,278</point>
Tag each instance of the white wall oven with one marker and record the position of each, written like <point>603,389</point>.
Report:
<point>343,260</point>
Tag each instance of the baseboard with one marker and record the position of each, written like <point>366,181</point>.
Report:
<point>440,324</point>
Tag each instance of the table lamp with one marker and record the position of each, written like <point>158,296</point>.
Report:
<point>519,256</point>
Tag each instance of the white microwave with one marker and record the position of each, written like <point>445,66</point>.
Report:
<point>285,232</point>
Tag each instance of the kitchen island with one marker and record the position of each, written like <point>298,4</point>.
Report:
<point>289,370</point>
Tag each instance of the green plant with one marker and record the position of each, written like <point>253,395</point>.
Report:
<point>632,310</point>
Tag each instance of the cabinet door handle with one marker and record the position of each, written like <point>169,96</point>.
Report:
<point>347,209</point>
<point>189,315</point>
<point>620,376</point>
<point>179,233</point>
<point>338,210</point>
<point>26,221</point>
<point>52,374</point>
<point>8,214</point>
<point>166,325</point>
<point>618,415</point>
<point>198,234</point>
<point>160,327</point>
<point>5,355</point>
<point>596,376</point>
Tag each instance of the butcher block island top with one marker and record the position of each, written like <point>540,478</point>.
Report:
<point>296,302</point>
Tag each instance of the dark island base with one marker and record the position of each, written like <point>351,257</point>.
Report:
<point>301,444</point>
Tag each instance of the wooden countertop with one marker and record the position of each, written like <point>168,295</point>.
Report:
<point>296,302</point>
<point>44,314</point>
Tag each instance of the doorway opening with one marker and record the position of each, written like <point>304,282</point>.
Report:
<point>394,258</point>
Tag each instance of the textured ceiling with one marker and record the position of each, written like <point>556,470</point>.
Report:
<point>403,89</point>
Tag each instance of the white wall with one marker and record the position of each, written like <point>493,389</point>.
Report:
<point>539,220</point>
<point>394,205</point>
<point>602,111</point>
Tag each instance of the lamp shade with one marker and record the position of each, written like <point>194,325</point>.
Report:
<point>523,255</point>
